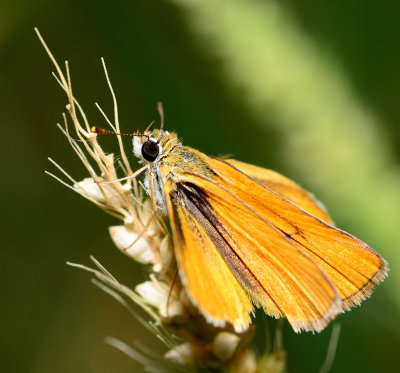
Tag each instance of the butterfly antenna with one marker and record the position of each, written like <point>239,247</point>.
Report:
<point>103,131</point>
<point>160,109</point>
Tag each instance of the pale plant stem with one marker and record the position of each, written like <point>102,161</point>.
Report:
<point>92,174</point>
<point>121,145</point>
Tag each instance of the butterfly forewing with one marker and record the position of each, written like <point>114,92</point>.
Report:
<point>351,264</point>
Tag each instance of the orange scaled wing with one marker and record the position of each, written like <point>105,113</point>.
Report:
<point>209,281</point>
<point>285,187</point>
<point>216,233</point>
<point>351,264</point>
<point>288,261</point>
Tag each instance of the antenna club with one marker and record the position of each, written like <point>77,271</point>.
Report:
<point>103,131</point>
<point>95,129</point>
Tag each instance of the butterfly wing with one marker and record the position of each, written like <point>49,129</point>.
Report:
<point>216,234</point>
<point>351,264</point>
<point>285,187</point>
<point>287,260</point>
<point>209,281</point>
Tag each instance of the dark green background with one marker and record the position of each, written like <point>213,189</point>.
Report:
<point>53,318</point>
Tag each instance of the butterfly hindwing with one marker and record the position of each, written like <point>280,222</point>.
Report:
<point>209,281</point>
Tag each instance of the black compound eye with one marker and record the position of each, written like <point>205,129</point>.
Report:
<point>150,150</point>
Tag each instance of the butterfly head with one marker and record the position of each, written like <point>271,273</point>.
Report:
<point>151,146</point>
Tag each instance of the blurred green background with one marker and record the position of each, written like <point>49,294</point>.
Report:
<point>308,88</point>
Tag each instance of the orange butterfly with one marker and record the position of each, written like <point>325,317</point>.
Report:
<point>245,235</point>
